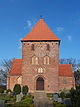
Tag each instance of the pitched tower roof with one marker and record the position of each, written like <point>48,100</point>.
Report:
<point>40,32</point>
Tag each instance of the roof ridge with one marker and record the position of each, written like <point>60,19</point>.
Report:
<point>65,64</point>
<point>17,59</point>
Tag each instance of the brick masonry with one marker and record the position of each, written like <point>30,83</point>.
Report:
<point>50,72</point>
<point>70,82</point>
<point>12,80</point>
<point>52,81</point>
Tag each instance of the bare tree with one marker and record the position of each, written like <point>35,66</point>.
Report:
<point>76,67</point>
<point>62,61</point>
<point>6,66</point>
<point>78,64</point>
<point>3,77</point>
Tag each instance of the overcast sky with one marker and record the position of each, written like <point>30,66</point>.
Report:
<point>17,18</point>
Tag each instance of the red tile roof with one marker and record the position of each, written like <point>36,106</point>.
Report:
<point>16,68</point>
<point>65,70</point>
<point>40,32</point>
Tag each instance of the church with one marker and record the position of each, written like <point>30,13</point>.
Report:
<point>39,67</point>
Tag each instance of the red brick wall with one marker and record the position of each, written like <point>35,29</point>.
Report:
<point>8,82</point>
<point>11,81</point>
<point>70,82</point>
<point>52,81</point>
<point>50,72</point>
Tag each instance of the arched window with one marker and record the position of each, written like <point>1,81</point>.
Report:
<point>46,60</point>
<point>35,60</point>
<point>19,80</point>
<point>40,70</point>
<point>32,47</point>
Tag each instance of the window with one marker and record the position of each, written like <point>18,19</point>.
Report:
<point>64,81</point>
<point>19,80</point>
<point>40,70</point>
<point>46,60</point>
<point>32,47</point>
<point>35,60</point>
<point>48,47</point>
<point>32,60</point>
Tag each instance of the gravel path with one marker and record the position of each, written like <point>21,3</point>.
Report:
<point>41,100</point>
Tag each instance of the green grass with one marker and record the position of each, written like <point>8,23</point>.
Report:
<point>57,104</point>
<point>18,105</point>
<point>10,101</point>
<point>50,95</point>
<point>25,102</point>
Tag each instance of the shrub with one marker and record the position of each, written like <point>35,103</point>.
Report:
<point>68,95</point>
<point>74,97</point>
<point>17,89</point>
<point>62,95</point>
<point>1,90</point>
<point>78,102</point>
<point>8,90</point>
<point>25,89</point>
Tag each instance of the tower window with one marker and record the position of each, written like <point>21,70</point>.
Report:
<point>48,47</point>
<point>46,60</point>
<point>32,47</point>
<point>35,60</point>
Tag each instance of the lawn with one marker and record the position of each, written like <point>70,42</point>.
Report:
<point>10,101</point>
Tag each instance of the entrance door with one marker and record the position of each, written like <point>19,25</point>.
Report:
<point>40,84</point>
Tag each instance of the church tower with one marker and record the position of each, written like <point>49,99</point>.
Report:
<point>40,59</point>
